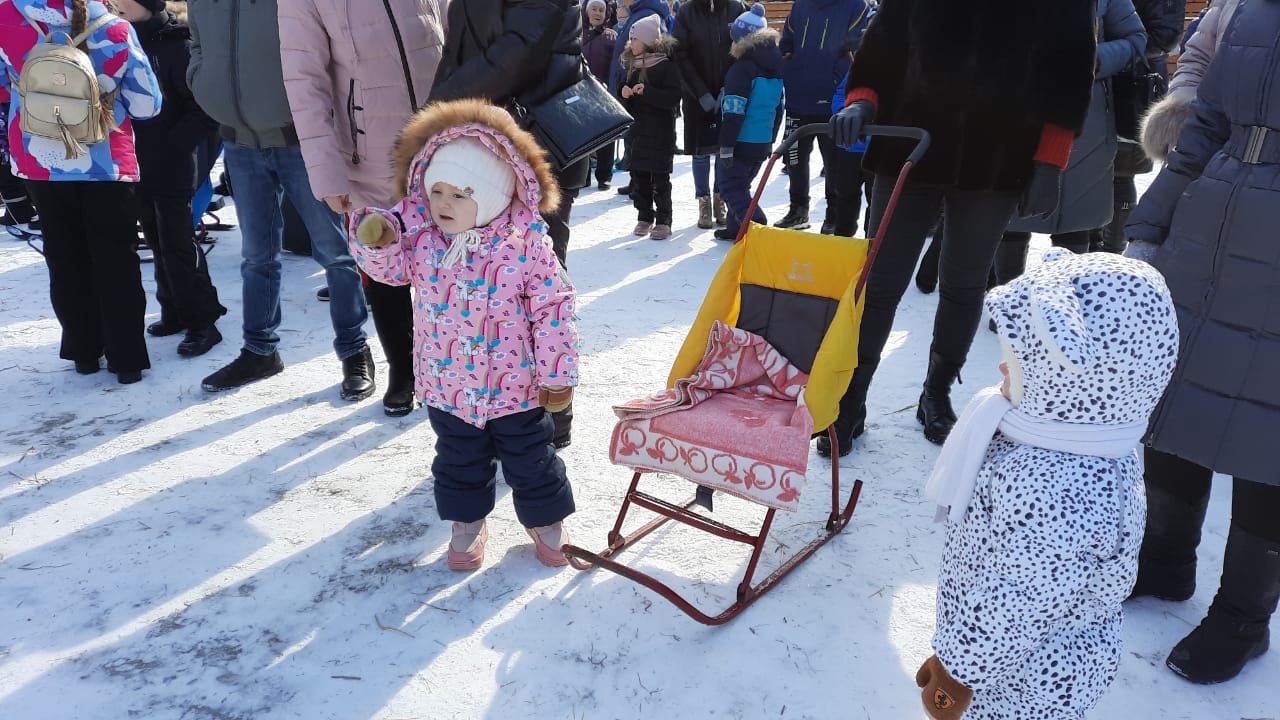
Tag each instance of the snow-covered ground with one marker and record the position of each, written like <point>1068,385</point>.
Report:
<point>275,552</point>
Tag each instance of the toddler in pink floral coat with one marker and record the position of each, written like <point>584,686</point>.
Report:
<point>496,348</point>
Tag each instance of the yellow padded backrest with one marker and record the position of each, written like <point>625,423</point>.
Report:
<point>798,262</point>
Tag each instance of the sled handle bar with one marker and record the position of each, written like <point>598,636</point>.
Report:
<point>815,129</point>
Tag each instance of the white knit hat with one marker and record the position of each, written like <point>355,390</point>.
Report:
<point>601,3</point>
<point>487,178</point>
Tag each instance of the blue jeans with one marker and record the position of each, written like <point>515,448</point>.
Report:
<point>702,186</point>
<point>261,178</point>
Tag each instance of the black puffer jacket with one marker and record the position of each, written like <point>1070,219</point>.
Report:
<point>166,144</point>
<point>504,50</point>
<point>653,137</point>
<point>702,56</point>
<point>984,79</point>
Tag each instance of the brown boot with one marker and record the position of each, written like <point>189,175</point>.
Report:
<point>719,210</point>
<point>705,221</point>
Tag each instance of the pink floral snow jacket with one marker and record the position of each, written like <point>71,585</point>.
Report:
<point>492,330</point>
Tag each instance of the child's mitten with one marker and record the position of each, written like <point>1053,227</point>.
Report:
<point>944,697</point>
<point>555,399</point>
<point>374,231</point>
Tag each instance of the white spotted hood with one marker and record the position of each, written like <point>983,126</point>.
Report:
<point>1095,337</point>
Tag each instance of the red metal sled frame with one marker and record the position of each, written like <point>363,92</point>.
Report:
<point>839,517</point>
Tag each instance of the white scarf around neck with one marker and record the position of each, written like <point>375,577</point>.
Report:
<point>464,243</point>
<point>955,475</point>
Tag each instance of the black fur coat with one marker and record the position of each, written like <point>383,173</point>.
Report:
<point>983,78</point>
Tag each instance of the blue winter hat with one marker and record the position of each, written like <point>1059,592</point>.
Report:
<point>748,22</point>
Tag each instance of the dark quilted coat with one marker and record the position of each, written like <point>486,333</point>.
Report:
<point>1214,212</point>
<point>1085,199</point>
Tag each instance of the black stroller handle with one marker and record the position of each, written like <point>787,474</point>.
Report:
<point>812,130</point>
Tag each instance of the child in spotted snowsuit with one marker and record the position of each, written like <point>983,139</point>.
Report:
<point>495,344</point>
<point>1042,485</point>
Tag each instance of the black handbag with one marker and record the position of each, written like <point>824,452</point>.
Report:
<point>574,123</point>
<point>1135,91</point>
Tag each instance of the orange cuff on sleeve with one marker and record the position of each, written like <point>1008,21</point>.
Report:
<point>860,94</point>
<point>1055,146</point>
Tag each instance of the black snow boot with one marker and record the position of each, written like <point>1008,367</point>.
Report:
<point>852,422</point>
<point>935,411</point>
<point>357,375</point>
<point>1237,627</point>
<point>398,400</point>
<point>797,218</point>
<point>1167,563</point>
<point>927,274</point>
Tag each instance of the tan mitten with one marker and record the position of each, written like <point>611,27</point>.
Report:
<point>944,697</point>
<point>555,399</point>
<point>375,232</point>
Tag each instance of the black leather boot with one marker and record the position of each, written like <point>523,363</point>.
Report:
<point>852,421</point>
<point>935,411</point>
<point>1237,627</point>
<point>357,376</point>
<point>1167,563</point>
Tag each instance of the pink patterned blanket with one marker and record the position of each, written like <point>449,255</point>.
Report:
<point>738,424</point>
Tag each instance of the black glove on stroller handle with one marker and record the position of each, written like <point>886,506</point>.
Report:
<point>920,136</point>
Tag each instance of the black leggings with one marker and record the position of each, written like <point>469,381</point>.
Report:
<point>1254,505</point>
<point>975,222</point>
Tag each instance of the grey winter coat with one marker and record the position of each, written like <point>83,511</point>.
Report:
<point>235,71</point>
<point>1085,200</point>
<point>1213,212</point>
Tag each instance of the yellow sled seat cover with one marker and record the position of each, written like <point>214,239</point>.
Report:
<point>796,262</point>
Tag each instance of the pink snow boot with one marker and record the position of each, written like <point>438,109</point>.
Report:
<point>466,549</point>
<point>547,541</point>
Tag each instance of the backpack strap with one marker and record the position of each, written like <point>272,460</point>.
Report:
<point>102,21</point>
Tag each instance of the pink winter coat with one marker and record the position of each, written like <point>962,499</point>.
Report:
<point>355,72</point>
<point>493,329</point>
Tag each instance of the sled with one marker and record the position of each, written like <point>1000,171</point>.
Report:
<point>797,275</point>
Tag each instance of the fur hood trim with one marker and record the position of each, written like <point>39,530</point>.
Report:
<point>179,10</point>
<point>1163,125</point>
<point>665,45</point>
<point>442,122</point>
<point>767,36</point>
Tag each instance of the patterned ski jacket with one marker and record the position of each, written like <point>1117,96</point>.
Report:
<point>494,329</point>
<point>122,68</point>
<point>1034,574</point>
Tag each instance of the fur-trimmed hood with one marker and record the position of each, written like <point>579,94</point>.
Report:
<point>442,122</point>
<point>760,39</point>
<point>179,10</point>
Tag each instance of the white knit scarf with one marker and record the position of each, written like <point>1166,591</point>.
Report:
<point>955,475</point>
